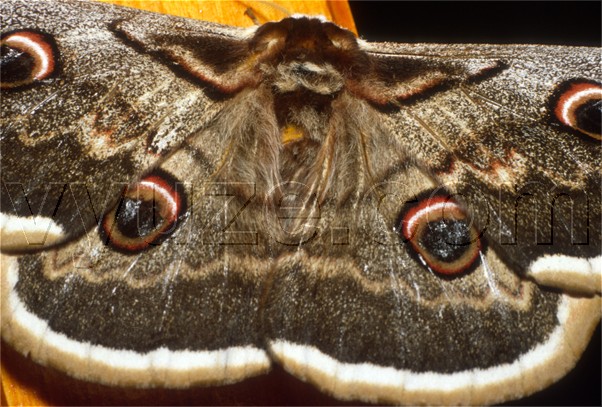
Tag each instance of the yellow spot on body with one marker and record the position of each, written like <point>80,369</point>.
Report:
<point>291,133</point>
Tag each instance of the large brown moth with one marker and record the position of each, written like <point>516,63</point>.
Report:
<point>184,203</point>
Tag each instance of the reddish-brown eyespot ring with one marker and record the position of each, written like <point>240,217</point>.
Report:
<point>146,214</point>
<point>441,236</point>
<point>578,105</point>
<point>27,57</point>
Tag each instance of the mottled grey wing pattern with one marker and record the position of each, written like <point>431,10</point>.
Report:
<point>105,117</point>
<point>508,155</point>
<point>111,115</point>
<point>292,196</point>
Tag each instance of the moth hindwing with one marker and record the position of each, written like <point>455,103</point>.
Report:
<point>408,224</point>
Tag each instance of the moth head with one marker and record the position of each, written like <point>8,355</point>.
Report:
<point>303,38</point>
<point>305,54</point>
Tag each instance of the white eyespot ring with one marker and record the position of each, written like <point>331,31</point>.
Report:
<point>578,105</point>
<point>439,233</point>
<point>145,216</point>
<point>27,57</point>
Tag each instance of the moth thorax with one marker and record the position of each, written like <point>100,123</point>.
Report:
<point>320,78</point>
<point>302,115</point>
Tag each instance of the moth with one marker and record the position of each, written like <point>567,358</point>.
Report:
<point>185,203</point>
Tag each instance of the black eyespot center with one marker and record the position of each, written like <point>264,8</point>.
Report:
<point>16,64</point>
<point>137,218</point>
<point>446,239</point>
<point>589,116</point>
<point>147,214</point>
<point>439,234</point>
